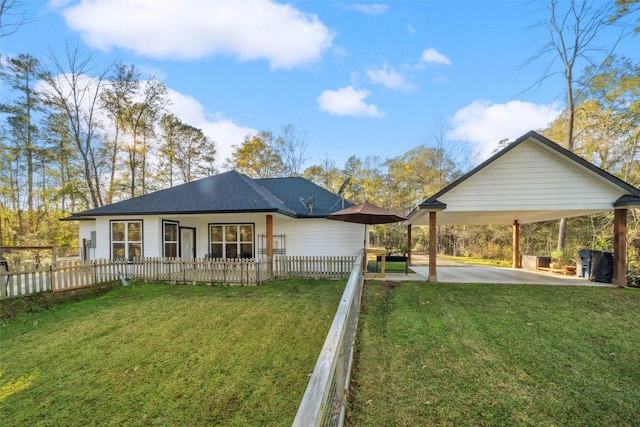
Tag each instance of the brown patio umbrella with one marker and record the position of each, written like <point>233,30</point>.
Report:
<point>366,213</point>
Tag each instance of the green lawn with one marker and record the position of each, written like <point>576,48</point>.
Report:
<point>479,261</point>
<point>497,355</point>
<point>389,267</point>
<point>166,355</point>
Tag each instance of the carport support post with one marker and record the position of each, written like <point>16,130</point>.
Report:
<point>409,246</point>
<point>516,245</point>
<point>620,247</point>
<point>433,277</point>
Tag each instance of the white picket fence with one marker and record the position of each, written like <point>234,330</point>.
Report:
<point>29,279</point>
<point>333,267</point>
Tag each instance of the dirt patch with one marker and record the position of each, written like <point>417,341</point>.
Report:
<point>389,286</point>
<point>10,307</point>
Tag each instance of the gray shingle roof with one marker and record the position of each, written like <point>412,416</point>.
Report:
<point>228,192</point>
<point>296,191</point>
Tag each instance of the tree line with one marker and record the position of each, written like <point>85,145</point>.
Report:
<point>74,137</point>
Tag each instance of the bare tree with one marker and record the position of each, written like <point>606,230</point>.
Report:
<point>573,28</point>
<point>116,100</point>
<point>11,18</point>
<point>140,119</point>
<point>73,90</point>
<point>291,146</point>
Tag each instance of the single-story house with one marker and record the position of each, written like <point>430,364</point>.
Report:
<point>228,215</point>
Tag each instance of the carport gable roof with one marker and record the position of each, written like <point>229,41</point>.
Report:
<point>229,192</point>
<point>533,179</point>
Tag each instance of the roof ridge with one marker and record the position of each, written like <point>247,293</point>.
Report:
<point>264,193</point>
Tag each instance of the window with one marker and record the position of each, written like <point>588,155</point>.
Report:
<point>170,238</point>
<point>231,240</point>
<point>126,239</point>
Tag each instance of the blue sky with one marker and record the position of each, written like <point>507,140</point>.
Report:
<point>353,78</point>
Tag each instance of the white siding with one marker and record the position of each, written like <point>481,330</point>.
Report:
<point>151,246</point>
<point>531,177</point>
<point>304,237</point>
<point>321,237</point>
<point>84,232</point>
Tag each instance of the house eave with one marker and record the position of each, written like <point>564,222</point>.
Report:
<point>627,201</point>
<point>91,216</point>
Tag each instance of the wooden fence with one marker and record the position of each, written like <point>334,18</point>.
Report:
<point>333,267</point>
<point>324,400</point>
<point>201,270</point>
<point>29,279</point>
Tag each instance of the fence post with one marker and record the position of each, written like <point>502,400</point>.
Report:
<point>4,282</point>
<point>49,277</point>
<point>93,270</point>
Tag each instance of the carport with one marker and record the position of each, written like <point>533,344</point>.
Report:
<point>531,180</point>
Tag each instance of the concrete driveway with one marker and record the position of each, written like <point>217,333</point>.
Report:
<point>489,274</point>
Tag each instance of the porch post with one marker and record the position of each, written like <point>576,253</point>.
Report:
<point>620,247</point>
<point>409,244</point>
<point>270,241</point>
<point>516,245</point>
<point>433,277</point>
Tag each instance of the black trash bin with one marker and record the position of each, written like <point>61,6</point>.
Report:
<point>601,267</point>
<point>585,261</point>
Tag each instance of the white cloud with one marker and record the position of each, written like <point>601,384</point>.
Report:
<point>172,29</point>
<point>389,78</point>
<point>152,72</point>
<point>348,101</point>
<point>223,131</point>
<point>484,124</point>
<point>369,9</point>
<point>411,29</point>
<point>432,56</point>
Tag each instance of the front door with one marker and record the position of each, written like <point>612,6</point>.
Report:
<point>187,242</point>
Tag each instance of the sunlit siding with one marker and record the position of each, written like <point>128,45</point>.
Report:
<point>531,177</point>
<point>151,246</point>
<point>152,243</point>
<point>102,237</point>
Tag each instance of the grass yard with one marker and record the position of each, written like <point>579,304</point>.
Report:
<point>479,261</point>
<point>389,267</point>
<point>167,355</point>
<point>497,355</point>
